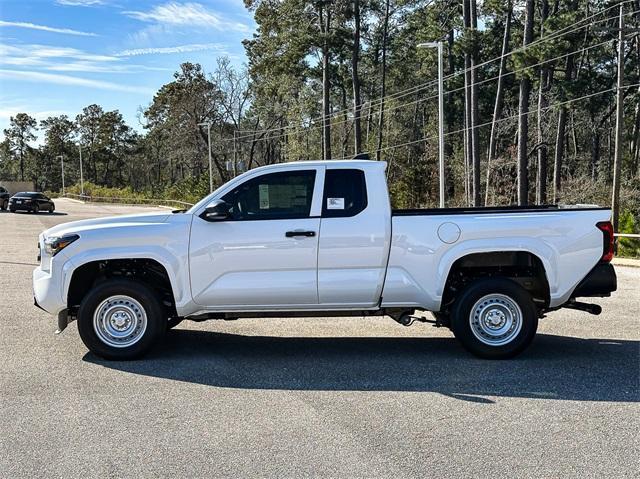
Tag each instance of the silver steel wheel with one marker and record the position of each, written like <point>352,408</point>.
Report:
<point>495,319</point>
<point>120,321</point>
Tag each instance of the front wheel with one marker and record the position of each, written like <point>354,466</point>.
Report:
<point>5,203</point>
<point>121,319</point>
<point>494,318</point>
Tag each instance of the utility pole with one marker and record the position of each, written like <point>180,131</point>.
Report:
<point>439,46</point>
<point>617,158</point>
<point>208,125</point>
<point>61,157</point>
<point>81,176</point>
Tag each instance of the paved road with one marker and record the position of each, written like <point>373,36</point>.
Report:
<point>312,397</point>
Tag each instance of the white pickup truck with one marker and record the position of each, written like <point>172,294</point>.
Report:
<point>318,239</point>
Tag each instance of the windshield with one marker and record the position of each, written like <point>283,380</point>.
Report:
<point>25,194</point>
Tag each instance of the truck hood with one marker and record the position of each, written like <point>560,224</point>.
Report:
<point>107,222</point>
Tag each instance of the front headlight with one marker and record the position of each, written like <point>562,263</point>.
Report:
<point>54,244</point>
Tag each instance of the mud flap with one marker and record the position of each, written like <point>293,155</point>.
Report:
<point>63,320</point>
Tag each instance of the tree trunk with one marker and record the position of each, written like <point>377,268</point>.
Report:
<point>345,119</point>
<point>635,136</point>
<point>466,15</point>
<point>560,136</point>
<point>355,80</point>
<point>325,24</point>
<point>595,154</point>
<point>497,107</point>
<point>383,88</point>
<point>475,139</point>
<point>541,189</point>
<point>21,162</point>
<point>523,115</point>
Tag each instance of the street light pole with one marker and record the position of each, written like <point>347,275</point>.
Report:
<point>617,155</point>
<point>81,176</point>
<point>62,170</point>
<point>440,48</point>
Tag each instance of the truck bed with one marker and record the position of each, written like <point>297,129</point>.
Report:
<point>427,242</point>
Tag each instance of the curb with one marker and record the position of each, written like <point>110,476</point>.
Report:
<point>628,262</point>
<point>69,199</point>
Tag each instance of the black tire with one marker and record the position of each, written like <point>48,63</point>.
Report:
<point>5,204</point>
<point>50,209</point>
<point>147,298</point>
<point>36,209</point>
<point>502,293</point>
<point>173,322</point>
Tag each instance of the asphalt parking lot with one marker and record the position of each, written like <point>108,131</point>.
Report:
<point>312,397</point>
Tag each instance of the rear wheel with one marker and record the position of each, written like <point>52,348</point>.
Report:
<point>121,319</point>
<point>4,205</point>
<point>494,318</point>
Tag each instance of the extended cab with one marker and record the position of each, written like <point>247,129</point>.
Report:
<point>318,239</point>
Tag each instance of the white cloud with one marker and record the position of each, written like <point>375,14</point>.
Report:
<point>33,26</point>
<point>186,14</point>
<point>79,3</point>
<point>7,112</point>
<point>67,59</point>
<point>68,80</point>
<point>194,47</point>
<point>44,55</point>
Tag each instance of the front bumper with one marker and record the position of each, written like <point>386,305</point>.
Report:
<point>601,281</point>
<point>47,287</point>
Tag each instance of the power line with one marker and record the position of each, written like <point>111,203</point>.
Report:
<point>419,100</point>
<point>555,105</point>
<point>560,33</point>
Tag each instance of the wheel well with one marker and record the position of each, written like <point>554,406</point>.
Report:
<point>144,270</point>
<point>522,267</point>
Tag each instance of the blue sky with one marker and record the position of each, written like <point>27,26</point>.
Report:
<point>58,56</point>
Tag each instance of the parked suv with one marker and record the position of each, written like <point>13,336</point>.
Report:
<point>4,198</point>
<point>30,201</point>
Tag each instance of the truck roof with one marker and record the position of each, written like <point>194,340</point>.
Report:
<point>338,163</point>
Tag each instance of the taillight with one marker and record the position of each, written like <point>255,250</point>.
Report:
<point>607,240</point>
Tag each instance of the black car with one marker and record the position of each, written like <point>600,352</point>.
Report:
<point>4,198</point>
<point>31,201</point>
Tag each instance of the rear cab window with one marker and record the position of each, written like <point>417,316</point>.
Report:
<point>345,193</point>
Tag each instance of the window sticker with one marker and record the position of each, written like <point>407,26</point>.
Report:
<point>263,196</point>
<point>335,203</point>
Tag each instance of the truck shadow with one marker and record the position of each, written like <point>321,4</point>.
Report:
<point>554,367</point>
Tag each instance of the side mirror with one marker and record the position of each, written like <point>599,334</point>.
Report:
<point>217,210</point>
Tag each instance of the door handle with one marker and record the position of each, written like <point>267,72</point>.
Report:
<point>291,234</point>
